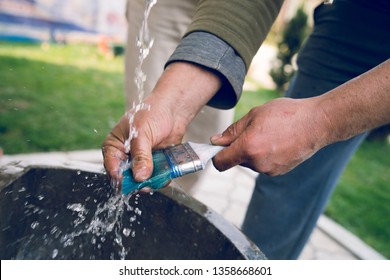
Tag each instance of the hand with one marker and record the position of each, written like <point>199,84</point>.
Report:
<point>180,93</point>
<point>273,138</point>
<point>154,129</point>
<point>276,137</point>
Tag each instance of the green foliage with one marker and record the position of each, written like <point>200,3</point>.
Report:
<point>292,38</point>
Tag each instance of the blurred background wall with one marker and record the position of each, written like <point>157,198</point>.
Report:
<point>62,20</point>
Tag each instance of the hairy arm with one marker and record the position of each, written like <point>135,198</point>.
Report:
<point>277,136</point>
<point>358,105</point>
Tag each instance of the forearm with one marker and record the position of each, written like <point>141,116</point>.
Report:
<point>277,136</point>
<point>358,105</point>
<point>212,53</point>
<point>183,89</point>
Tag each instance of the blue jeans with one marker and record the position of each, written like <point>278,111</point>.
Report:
<point>284,209</point>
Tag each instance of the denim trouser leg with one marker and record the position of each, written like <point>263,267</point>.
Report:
<point>284,209</point>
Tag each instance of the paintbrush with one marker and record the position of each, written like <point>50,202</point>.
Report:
<point>170,163</point>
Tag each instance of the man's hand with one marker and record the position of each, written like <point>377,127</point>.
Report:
<point>273,138</point>
<point>152,126</point>
<point>180,93</point>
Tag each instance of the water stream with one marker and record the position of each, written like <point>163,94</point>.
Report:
<point>107,218</point>
<point>144,42</point>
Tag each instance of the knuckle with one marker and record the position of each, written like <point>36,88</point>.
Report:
<point>232,130</point>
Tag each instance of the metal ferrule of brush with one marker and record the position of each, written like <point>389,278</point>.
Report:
<point>182,160</point>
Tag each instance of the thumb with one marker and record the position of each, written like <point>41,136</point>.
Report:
<point>141,159</point>
<point>230,134</point>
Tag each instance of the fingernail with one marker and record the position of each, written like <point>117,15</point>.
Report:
<point>215,137</point>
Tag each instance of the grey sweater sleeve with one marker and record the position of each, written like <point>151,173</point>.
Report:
<point>209,51</point>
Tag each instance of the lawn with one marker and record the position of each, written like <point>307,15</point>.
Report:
<point>57,97</point>
<point>61,98</point>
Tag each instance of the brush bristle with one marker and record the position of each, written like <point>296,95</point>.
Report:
<point>205,152</point>
<point>170,163</point>
<point>160,177</point>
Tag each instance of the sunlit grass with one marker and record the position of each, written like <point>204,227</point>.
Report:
<point>52,100</point>
<point>361,201</point>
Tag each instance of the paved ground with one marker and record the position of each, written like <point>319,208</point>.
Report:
<point>329,240</point>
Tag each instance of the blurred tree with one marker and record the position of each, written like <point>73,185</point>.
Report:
<point>291,40</point>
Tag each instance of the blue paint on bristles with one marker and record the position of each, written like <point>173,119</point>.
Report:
<point>170,163</point>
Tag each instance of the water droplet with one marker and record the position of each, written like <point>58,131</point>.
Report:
<point>137,211</point>
<point>77,207</point>
<point>34,225</point>
<point>54,253</point>
<point>126,232</point>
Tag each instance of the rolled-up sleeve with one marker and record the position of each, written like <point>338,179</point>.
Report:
<point>224,36</point>
<point>209,51</point>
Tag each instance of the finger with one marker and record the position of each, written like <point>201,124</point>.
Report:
<point>120,132</point>
<point>149,189</point>
<point>141,159</point>
<point>231,133</point>
<point>146,190</point>
<point>230,156</point>
<point>113,148</point>
<point>113,157</point>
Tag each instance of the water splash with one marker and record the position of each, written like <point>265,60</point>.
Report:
<point>144,42</point>
<point>107,218</point>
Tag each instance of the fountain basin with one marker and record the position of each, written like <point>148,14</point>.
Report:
<point>46,213</point>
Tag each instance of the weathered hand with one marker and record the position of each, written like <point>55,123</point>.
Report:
<point>273,138</point>
<point>154,129</point>
<point>179,95</point>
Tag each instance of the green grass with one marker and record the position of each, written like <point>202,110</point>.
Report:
<point>361,201</point>
<point>250,98</point>
<point>65,98</point>
<point>62,98</point>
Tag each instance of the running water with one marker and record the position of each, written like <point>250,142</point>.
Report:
<point>107,218</point>
<point>144,42</point>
